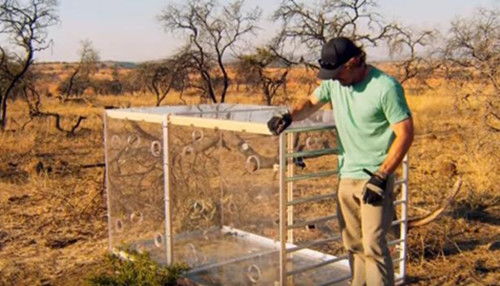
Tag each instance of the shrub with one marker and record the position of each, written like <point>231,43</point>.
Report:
<point>137,269</point>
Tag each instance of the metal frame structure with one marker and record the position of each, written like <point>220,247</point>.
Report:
<point>403,203</point>
<point>168,192</point>
<point>286,246</point>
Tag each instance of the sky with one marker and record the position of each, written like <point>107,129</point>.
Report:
<point>129,30</point>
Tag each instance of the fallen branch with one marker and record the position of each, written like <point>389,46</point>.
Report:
<point>143,132</point>
<point>57,122</point>
<point>420,221</point>
<point>96,165</point>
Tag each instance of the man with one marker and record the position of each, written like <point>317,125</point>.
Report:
<point>375,131</point>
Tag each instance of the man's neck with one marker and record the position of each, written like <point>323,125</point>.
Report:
<point>363,73</point>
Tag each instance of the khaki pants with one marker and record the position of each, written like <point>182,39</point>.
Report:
<point>364,228</point>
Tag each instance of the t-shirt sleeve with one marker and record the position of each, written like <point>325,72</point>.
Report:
<point>394,104</point>
<point>323,92</point>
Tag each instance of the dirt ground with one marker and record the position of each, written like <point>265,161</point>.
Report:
<point>53,224</point>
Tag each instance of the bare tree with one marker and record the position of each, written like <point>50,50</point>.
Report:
<point>114,86</point>
<point>162,77</point>
<point>25,23</point>
<point>472,59</point>
<point>258,65</point>
<point>407,44</point>
<point>79,79</point>
<point>307,27</point>
<point>212,32</point>
<point>27,89</point>
<point>474,43</point>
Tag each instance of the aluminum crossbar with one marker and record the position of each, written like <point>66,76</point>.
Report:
<point>399,280</point>
<point>312,221</point>
<point>399,221</point>
<point>309,128</point>
<point>313,153</point>
<point>336,280</point>
<point>397,260</point>
<point>398,202</point>
<point>393,242</point>
<point>400,182</point>
<point>312,175</point>
<point>312,243</point>
<point>311,199</point>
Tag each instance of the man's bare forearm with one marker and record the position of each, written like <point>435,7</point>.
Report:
<point>399,147</point>
<point>304,109</point>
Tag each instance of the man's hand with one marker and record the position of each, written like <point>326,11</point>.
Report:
<point>279,123</point>
<point>299,162</point>
<point>374,189</point>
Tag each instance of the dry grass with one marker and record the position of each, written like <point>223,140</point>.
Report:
<point>53,219</point>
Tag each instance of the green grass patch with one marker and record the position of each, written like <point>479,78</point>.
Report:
<point>137,269</point>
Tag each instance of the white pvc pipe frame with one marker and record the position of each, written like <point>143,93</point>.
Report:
<point>284,197</point>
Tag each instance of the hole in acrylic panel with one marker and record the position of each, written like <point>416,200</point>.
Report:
<point>156,148</point>
<point>197,135</point>
<point>133,140</point>
<point>244,146</point>
<point>252,163</point>
<point>231,207</point>
<point>187,150</point>
<point>158,240</point>
<point>197,210</point>
<point>313,142</point>
<point>311,226</point>
<point>193,256</point>
<point>136,217</point>
<point>118,225</point>
<point>253,273</point>
<point>115,140</point>
<point>140,248</point>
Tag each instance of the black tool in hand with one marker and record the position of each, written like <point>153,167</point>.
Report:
<point>279,123</point>
<point>374,189</point>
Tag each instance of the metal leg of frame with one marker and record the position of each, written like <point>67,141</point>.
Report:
<point>283,208</point>
<point>106,178</point>
<point>404,215</point>
<point>289,198</point>
<point>290,172</point>
<point>167,193</point>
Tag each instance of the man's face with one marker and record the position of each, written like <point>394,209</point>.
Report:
<point>345,77</point>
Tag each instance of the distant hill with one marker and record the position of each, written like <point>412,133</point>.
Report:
<point>108,64</point>
<point>127,65</point>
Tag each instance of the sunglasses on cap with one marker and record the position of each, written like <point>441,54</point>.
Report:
<point>327,65</point>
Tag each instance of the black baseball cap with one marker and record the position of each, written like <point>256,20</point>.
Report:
<point>334,54</point>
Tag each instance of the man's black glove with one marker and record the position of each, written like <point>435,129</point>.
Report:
<point>374,189</point>
<point>279,123</point>
<point>299,162</point>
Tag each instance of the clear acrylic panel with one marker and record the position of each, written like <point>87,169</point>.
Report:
<point>225,204</point>
<point>135,186</point>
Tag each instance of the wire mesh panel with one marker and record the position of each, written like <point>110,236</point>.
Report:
<point>135,186</point>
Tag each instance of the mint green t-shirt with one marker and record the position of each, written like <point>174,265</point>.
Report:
<point>363,114</point>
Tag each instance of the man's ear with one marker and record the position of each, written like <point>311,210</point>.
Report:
<point>353,62</point>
